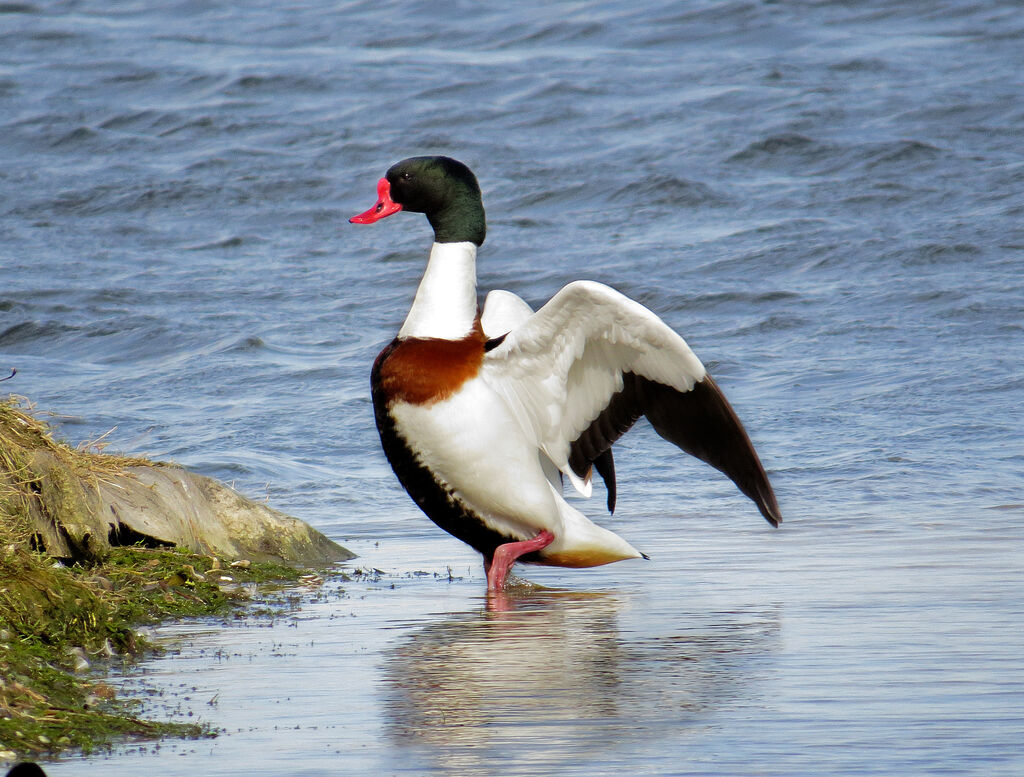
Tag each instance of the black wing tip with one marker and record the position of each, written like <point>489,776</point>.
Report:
<point>764,498</point>
<point>769,508</point>
<point>645,556</point>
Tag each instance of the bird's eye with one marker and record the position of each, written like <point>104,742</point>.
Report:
<point>406,176</point>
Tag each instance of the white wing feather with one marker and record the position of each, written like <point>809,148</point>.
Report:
<point>558,369</point>
<point>503,312</point>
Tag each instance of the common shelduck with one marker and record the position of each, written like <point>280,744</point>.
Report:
<point>481,414</point>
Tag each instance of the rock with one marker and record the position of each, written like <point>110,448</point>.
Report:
<point>168,505</point>
<point>81,504</point>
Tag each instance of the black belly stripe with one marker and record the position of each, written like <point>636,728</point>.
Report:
<point>437,501</point>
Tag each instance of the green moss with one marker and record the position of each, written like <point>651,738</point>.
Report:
<point>47,709</point>
<point>53,617</point>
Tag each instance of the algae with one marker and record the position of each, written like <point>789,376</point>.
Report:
<point>56,620</point>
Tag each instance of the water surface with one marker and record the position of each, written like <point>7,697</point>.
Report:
<point>823,197</point>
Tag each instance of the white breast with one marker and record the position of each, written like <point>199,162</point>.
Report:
<point>474,445</point>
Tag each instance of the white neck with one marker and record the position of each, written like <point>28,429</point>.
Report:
<point>445,304</point>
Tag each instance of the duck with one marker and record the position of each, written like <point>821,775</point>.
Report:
<point>483,414</point>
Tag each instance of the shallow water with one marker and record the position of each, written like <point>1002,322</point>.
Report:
<point>824,198</point>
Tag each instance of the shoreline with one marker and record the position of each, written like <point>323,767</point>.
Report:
<point>64,614</point>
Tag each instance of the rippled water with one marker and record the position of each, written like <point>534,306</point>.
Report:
<point>825,198</point>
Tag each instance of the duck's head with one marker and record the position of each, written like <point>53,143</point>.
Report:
<point>442,188</point>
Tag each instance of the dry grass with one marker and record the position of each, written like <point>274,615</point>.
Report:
<point>21,431</point>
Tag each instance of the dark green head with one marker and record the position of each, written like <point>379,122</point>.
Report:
<point>442,188</point>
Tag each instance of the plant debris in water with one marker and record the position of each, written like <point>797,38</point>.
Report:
<point>58,618</point>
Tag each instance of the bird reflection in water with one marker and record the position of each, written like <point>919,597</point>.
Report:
<point>558,680</point>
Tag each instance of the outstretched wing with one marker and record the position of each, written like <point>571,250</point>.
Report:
<point>504,311</point>
<point>580,371</point>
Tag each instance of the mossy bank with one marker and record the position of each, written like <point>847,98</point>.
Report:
<point>64,614</point>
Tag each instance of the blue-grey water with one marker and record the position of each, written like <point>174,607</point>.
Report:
<point>825,198</point>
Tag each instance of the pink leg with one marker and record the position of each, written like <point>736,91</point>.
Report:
<point>505,556</point>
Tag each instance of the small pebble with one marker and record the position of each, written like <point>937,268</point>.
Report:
<point>189,573</point>
<point>78,659</point>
